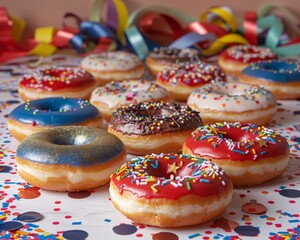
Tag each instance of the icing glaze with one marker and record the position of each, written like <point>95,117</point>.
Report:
<point>54,112</point>
<point>248,53</point>
<point>170,176</point>
<point>174,55</point>
<point>126,92</point>
<point>191,74</point>
<point>235,141</point>
<point>71,145</point>
<point>56,78</point>
<point>275,70</point>
<point>231,97</point>
<point>111,61</point>
<point>154,117</point>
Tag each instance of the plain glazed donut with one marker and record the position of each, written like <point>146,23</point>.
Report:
<point>171,190</point>
<point>113,66</point>
<point>234,59</point>
<point>249,154</point>
<point>232,101</point>
<point>182,80</point>
<point>281,77</point>
<point>113,95</point>
<point>56,81</point>
<point>34,116</point>
<point>70,158</point>
<point>164,57</point>
<point>154,127</point>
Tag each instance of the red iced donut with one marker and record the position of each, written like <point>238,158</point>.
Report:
<point>56,81</point>
<point>182,80</point>
<point>248,154</point>
<point>234,59</point>
<point>170,190</point>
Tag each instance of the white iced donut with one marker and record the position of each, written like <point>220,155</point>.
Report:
<point>113,66</point>
<point>117,94</point>
<point>232,102</point>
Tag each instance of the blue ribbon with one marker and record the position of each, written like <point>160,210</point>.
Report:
<point>90,31</point>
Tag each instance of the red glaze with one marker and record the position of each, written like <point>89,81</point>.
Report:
<point>158,169</point>
<point>191,74</point>
<point>248,54</point>
<point>56,78</point>
<point>237,142</point>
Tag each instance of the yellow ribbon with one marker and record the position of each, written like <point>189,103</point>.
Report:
<point>122,19</point>
<point>18,27</point>
<point>222,42</point>
<point>223,18</point>
<point>44,38</point>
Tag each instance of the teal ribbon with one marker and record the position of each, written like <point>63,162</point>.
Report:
<point>136,42</point>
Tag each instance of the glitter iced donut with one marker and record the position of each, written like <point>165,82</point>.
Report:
<point>172,191</point>
<point>113,95</point>
<point>249,154</point>
<point>182,80</point>
<point>231,102</point>
<point>234,59</point>
<point>281,77</point>
<point>56,81</point>
<point>34,116</point>
<point>164,57</point>
<point>70,158</point>
<point>113,66</point>
<point>154,127</point>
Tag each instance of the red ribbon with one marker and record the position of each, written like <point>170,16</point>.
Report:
<point>250,27</point>
<point>8,47</point>
<point>169,29</point>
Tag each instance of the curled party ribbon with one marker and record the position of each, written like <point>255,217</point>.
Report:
<point>289,19</point>
<point>85,37</point>
<point>116,17</point>
<point>221,16</point>
<point>182,29</point>
<point>271,31</point>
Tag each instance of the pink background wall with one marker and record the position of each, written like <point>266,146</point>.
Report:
<point>39,13</point>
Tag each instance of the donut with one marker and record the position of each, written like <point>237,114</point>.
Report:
<point>36,115</point>
<point>153,127</point>
<point>113,95</point>
<point>281,77</point>
<point>113,66</point>
<point>170,190</point>
<point>182,80</point>
<point>234,59</point>
<point>163,57</point>
<point>249,154</point>
<point>56,81</point>
<point>232,101</point>
<point>69,158</point>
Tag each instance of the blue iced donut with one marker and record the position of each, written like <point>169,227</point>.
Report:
<point>281,77</point>
<point>69,158</point>
<point>37,115</point>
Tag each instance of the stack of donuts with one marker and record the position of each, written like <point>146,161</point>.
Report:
<point>190,130</point>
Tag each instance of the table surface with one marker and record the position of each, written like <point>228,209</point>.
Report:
<point>277,202</point>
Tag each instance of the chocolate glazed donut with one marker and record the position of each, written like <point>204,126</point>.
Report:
<point>154,127</point>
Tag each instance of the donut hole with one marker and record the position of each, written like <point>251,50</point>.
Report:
<point>69,139</point>
<point>240,137</point>
<point>50,107</point>
<point>280,67</point>
<point>52,72</point>
<point>162,171</point>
